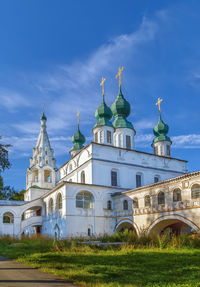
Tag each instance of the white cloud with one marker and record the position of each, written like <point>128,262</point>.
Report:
<point>186,141</point>
<point>12,100</point>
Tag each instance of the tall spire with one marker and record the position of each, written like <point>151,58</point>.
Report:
<point>43,154</point>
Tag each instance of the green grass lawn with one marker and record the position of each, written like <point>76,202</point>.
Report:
<point>113,267</point>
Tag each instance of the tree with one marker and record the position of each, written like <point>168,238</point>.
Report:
<point>4,161</point>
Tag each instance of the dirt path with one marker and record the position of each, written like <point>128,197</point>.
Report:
<point>13,274</point>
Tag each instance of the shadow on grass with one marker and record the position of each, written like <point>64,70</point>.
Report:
<point>140,268</point>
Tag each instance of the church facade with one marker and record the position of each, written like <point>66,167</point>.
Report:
<point>107,185</point>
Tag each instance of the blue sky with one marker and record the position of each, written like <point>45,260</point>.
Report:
<point>56,52</point>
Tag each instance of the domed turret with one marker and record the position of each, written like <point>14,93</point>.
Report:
<point>103,129</point>
<point>161,142</point>
<point>121,110</point>
<point>124,130</point>
<point>78,140</point>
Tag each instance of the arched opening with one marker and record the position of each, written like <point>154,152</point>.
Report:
<point>83,177</point>
<point>8,217</point>
<point>176,195</point>
<point>147,201</point>
<point>174,225</point>
<point>195,191</point>
<point>84,199</point>
<point>35,175</point>
<point>59,202</point>
<point>135,202</point>
<point>50,205</point>
<point>114,178</point>
<point>47,175</point>
<point>125,226</point>
<point>161,198</point>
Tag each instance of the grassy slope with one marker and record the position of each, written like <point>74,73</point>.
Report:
<point>125,267</point>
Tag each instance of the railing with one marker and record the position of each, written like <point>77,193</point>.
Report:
<point>160,208</point>
<point>31,221</point>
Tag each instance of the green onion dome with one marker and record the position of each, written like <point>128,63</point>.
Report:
<point>78,140</point>
<point>160,131</point>
<point>43,117</point>
<point>120,110</point>
<point>103,115</point>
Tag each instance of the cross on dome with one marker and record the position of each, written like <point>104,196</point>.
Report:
<point>119,75</point>
<point>102,85</point>
<point>158,103</point>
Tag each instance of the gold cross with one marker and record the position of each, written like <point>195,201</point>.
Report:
<point>158,103</point>
<point>78,113</point>
<point>102,85</point>
<point>119,75</point>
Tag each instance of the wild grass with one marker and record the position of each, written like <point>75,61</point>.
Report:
<point>145,261</point>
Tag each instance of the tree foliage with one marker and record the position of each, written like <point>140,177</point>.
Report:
<point>4,161</point>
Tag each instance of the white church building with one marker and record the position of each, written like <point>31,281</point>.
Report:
<point>107,185</point>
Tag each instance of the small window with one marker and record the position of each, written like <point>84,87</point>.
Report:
<point>70,180</point>
<point>47,162</point>
<point>125,204</point>
<point>46,152</point>
<point>70,167</point>
<point>108,137</point>
<point>119,140</point>
<point>168,150</point>
<point>83,177</point>
<point>147,201</point>
<point>109,205</point>
<point>135,202</point>
<point>128,142</point>
<point>176,195</point>
<point>96,137</point>
<point>156,179</point>
<point>114,178</point>
<point>138,180</point>
<point>195,190</point>
<point>156,150</point>
<point>89,232</point>
<point>101,137</point>
<point>161,197</point>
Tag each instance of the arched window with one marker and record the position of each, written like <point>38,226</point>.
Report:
<point>59,202</point>
<point>50,206</point>
<point>195,190</point>
<point>84,199</point>
<point>176,195</point>
<point>161,197</point>
<point>156,178</point>
<point>147,201</point>
<point>35,174</point>
<point>47,175</point>
<point>70,167</point>
<point>113,177</point>
<point>8,217</point>
<point>109,204</point>
<point>125,204</point>
<point>138,179</point>
<point>135,202</point>
<point>83,177</point>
